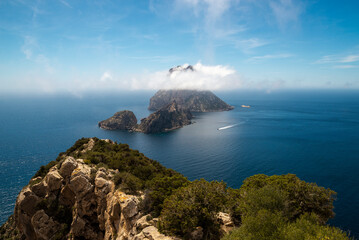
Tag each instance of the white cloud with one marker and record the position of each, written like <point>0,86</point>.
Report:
<point>269,56</point>
<point>337,59</point>
<point>248,44</point>
<point>65,3</point>
<point>350,58</point>
<point>204,77</point>
<point>106,76</point>
<point>28,46</point>
<point>30,49</point>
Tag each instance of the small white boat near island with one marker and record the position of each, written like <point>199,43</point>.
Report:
<point>245,106</point>
<point>226,127</point>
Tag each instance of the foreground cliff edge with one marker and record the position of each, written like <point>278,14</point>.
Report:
<point>98,189</point>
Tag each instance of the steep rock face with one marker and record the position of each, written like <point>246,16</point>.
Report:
<point>123,120</point>
<point>195,101</point>
<point>78,201</point>
<point>165,119</point>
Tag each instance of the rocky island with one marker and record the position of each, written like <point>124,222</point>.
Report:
<point>193,100</point>
<point>167,118</point>
<point>123,120</point>
<point>101,190</point>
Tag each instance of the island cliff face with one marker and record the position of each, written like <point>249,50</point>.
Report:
<point>123,120</point>
<point>168,118</point>
<point>193,100</point>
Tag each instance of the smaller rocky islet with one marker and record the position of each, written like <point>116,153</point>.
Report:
<point>167,118</point>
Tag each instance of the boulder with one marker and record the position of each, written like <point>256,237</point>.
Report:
<point>53,180</point>
<point>68,166</point>
<point>44,226</point>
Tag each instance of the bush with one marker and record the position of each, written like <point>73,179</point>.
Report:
<point>128,182</point>
<point>44,169</point>
<point>161,188</point>
<point>194,206</point>
<point>266,198</point>
<point>273,226</point>
<point>301,197</point>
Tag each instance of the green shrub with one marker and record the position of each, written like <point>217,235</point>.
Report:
<point>273,226</point>
<point>266,198</point>
<point>301,197</point>
<point>194,206</point>
<point>160,189</point>
<point>128,182</point>
<point>44,169</point>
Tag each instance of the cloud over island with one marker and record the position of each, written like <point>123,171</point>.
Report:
<point>209,77</point>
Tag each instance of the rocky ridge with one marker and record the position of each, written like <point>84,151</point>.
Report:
<point>165,119</point>
<point>193,100</point>
<point>78,201</point>
<point>168,118</point>
<point>123,120</point>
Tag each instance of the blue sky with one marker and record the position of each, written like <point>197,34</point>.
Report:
<point>75,46</point>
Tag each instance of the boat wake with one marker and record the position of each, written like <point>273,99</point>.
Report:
<point>226,127</point>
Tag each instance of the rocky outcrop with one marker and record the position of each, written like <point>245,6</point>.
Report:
<point>123,120</point>
<point>166,119</point>
<point>94,207</point>
<point>75,199</point>
<point>193,100</point>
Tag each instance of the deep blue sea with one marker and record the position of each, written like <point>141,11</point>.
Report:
<point>313,134</point>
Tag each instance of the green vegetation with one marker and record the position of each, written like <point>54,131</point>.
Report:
<point>136,171</point>
<point>265,207</point>
<point>194,206</point>
<point>297,197</point>
<point>284,208</point>
<point>273,226</point>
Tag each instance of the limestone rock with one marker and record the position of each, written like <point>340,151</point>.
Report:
<point>225,221</point>
<point>165,119</point>
<point>53,180</point>
<point>193,100</point>
<point>69,204</point>
<point>39,189</point>
<point>44,226</point>
<point>68,166</point>
<point>123,120</point>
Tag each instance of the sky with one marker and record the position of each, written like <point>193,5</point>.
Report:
<point>75,46</point>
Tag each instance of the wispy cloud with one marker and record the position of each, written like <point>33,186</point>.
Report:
<point>345,66</point>
<point>286,12</point>
<point>157,58</point>
<point>65,3</point>
<point>350,58</point>
<point>30,49</point>
<point>337,59</point>
<point>106,76</point>
<point>269,56</point>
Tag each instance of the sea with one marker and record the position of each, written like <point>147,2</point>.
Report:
<point>311,133</point>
